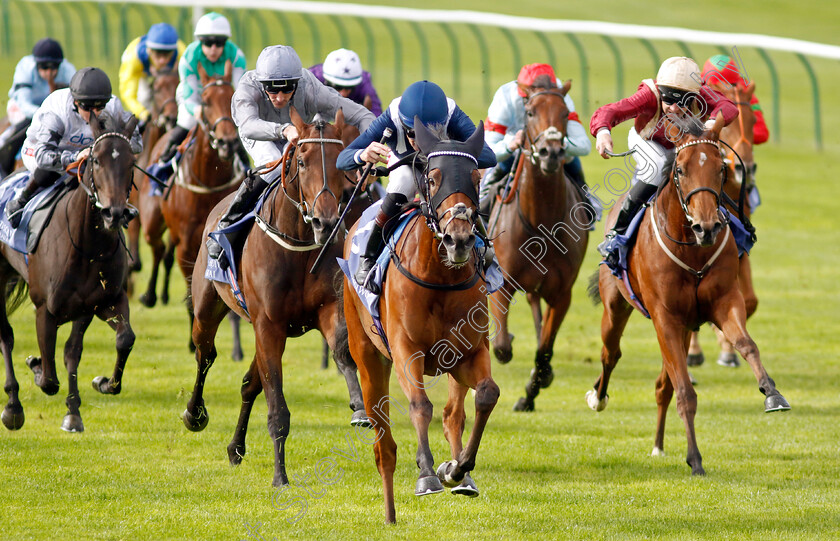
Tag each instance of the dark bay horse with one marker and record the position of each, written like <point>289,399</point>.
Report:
<point>738,171</point>
<point>542,227</point>
<point>164,114</point>
<point>77,272</point>
<point>683,269</point>
<point>435,318</point>
<point>284,300</point>
<point>205,175</point>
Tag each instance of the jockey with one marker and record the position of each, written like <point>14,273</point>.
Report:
<point>676,91</point>
<point>159,50</point>
<point>721,70</point>
<point>212,49</point>
<point>343,71</point>
<point>60,133</point>
<point>438,113</point>
<point>260,110</point>
<point>36,75</point>
<point>506,121</point>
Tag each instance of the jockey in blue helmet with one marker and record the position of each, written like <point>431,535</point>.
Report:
<point>426,101</point>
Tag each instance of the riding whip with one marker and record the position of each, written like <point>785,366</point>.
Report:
<point>386,134</point>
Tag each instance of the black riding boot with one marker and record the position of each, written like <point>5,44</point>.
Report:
<point>638,196</point>
<point>246,196</point>
<point>176,137</point>
<point>40,179</point>
<point>391,206</point>
<point>12,141</point>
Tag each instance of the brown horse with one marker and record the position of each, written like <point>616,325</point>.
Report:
<point>545,218</point>
<point>77,272</point>
<point>684,269</point>
<point>164,114</point>
<point>284,300</point>
<point>205,175</point>
<point>431,289</point>
<point>738,171</point>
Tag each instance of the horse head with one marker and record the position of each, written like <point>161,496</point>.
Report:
<point>165,110</point>
<point>452,179</point>
<point>740,135</point>
<point>698,175</point>
<point>107,178</point>
<point>546,116</point>
<point>320,183</point>
<point>216,119</point>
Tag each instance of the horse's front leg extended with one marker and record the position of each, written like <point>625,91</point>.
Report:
<point>44,367</point>
<point>12,416</point>
<point>117,317</point>
<point>616,314</point>
<point>250,390</point>
<point>499,307</point>
<point>72,356</point>
<point>271,343</point>
<point>542,375</point>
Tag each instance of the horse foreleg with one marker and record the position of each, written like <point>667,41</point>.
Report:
<point>728,357</point>
<point>12,416</point>
<point>72,356</point>
<point>235,322</point>
<point>251,389</point>
<point>453,428</point>
<point>695,351</point>
<point>334,331</point>
<point>664,393</point>
<point>168,262</point>
<point>117,317</point>
<point>502,339</point>
<point>155,242</point>
<point>536,312</point>
<point>616,314</point>
<point>271,343</point>
<point>542,375</point>
<point>729,315</point>
<point>134,245</point>
<point>44,367</point>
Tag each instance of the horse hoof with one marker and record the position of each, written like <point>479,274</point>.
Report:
<point>237,355</point>
<point>429,484</point>
<point>164,299</point>
<point>443,474</point>
<point>698,470</point>
<point>503,355</point>
<point>657,452</point>
<point>196,423</point>
<point>695,359</point>
<point>235,454</point>
<point>593,402</point>
<point>775,402</point>
<point>361,419</point>
<point>148,300</point>
<point>103,385</point>
<point>466,488</point>
<point>729,360</point>
<point>137,266</point>
<point>191,345</point>
<point>543,379</point>
<point>524,404</point>
<point>13,418</point>
<point>72,423</point>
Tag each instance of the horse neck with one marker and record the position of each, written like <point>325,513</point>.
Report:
<point>85,225</point>
<point>668,210</point>
<point>541,197</point>
<point>285,216</point>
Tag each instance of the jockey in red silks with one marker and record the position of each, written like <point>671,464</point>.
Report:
<point>722,70</point>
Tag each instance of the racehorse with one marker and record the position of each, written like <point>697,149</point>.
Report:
<point>545,217</point>
<point>78,271</point>
<point>683,269</point>
<point>738,171</point>
<point>283,299</point>
<point>205,175</point>
<point>164,114</point>
<point>431,288</point>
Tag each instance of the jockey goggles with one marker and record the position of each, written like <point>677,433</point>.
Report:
<point>339,87</point>
<point>286,86</point>
<point>90,105</point>
<point>409,132</point>
<point>47,65</point>
<point>671,96</point>
<point>210,41</point>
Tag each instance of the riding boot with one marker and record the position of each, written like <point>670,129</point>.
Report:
<point>243,202</point>
<point>391,207</point>
<point>638,196</point>
<point>243,157</point>
<point>176,137</point>
<point>10,143</point>
<point>40,179</point>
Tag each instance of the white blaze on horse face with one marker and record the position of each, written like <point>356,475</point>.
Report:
<point>553,134</point>
<point>115,154</point>
<point>702,158</point>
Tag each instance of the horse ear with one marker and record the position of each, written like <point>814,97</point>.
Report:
<point>202,74</point>
<point>339,120</point>
<point>565,87</point>
<point>97,127</point>
<point>228,76</point>
<point>475,143</point>
<point>750,90</point>
<point>425,138</point>
<point>128,131</point>
<point>296,119</point>
<point>368,103</point>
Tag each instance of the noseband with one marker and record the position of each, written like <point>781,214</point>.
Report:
<point>92,192</point>
<point>676,179</point>
<point>211,130</point>
<point>549,134</point>
<point>459,211</point>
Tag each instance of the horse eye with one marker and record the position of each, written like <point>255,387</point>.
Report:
<point>679,170</point>
<point>529,113</point>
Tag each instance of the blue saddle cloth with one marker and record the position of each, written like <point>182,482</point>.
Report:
<point>20,239</point>
<point>160,174</point>
<point>492,275</point>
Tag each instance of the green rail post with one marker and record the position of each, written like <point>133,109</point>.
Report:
<point>584,71</point>
<point>652,51</point>
<point>288,34</point>
<point>424,48</point>
<point>81,14</point>
<point>342,31</point>
<point>397,45</point>
<point>724,51</point>
<point>485,61</point>
<point>815,93</point>
<point>316,38</point>
<point>66,29</point>
<point>106,31</point>
<point>549,50</point>
<point>264,33</point>
<point>685,50</point>
<point>48,22</point>
<point>619,72</point>
<point>456,58</point>
<point>774,81</point>
<point>7,42</point>
<point>185,29</point>
<point>371,43</point>
<point>514,47</point>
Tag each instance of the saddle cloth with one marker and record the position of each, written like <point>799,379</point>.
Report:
<point>36,213</point>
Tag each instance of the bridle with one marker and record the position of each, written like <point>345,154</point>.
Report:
<point>211,129</point>
<point>549,134</point>
<point>92,192</point>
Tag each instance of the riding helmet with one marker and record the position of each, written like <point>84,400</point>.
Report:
<point>529,73</point>
<point>212,24</point>
<point>162,37</point>
<point>342,67</point>
<point>90,84</point>
<point>278,63</point>
<point>721,68</point>
<point>681,73</point>
<point>47,50</point>
<point>425,100</point>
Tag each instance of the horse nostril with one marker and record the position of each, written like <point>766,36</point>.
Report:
<point>448,240</point>
<point>697,228</point>
<point>316,224</point>
<point>543,153</point>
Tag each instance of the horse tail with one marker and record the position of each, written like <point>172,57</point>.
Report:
<point>593,290</point>
<point>17,293</point>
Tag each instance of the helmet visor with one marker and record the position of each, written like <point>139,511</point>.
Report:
<point>285,86</point>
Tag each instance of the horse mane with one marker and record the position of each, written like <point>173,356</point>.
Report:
<point>687,125</point>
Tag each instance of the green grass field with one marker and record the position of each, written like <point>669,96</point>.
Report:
<point>562,472</point>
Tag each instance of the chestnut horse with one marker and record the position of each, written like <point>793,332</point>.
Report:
<point>431,287</point>
<point>738,171</point>
<point>77,272</point>
<point>284,300</point>
<point>546,218</point>
<point>684,269</point>
<point>205,175</point>
<point>164,114</point>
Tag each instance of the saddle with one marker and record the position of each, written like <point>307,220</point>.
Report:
<point>36,214</point>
